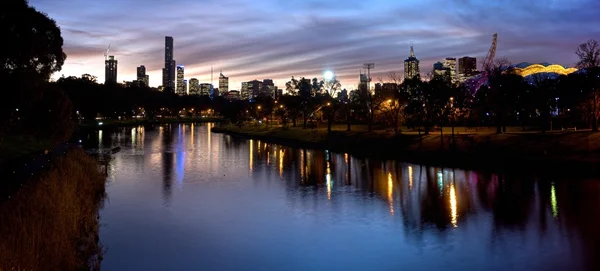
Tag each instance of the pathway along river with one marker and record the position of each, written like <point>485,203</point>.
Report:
<point>183,198</point>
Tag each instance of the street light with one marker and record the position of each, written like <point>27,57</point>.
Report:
<point>280,106</point>
<point>258,107</point>
<point>328,104</point>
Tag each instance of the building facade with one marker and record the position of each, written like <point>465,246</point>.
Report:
<point>467,66</point>
<point>223,84</point>
<point>450,64</point>
<point>142,78</point>
<point>232,95</point>
<point>194,87</point>
<point>180,74</point>
<point>110,70</point>
<point>185,87</point>
<point>205,89</point>
<point>411,66</point>
<point>168,72</point>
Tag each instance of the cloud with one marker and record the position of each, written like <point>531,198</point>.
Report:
<point>279,39</point>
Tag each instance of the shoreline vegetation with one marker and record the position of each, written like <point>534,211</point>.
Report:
<point>480,149</point>
<point>52,222</point>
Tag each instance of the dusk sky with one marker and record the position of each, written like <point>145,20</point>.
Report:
<point>279,39</point>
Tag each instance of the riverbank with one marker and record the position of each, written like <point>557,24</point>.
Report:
<point>136,122</point>
<point>52,222</point>
<point>559,151</point>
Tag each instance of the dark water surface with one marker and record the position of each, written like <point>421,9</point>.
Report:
<point>183,198</point>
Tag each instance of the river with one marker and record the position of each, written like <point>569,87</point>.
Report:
<point>183,198</point>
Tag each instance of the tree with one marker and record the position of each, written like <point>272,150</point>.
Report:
<point>33,52</point>
<point>589,59</point>
<point>329,89</point>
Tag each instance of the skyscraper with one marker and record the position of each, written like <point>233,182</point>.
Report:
<point>450,64</point>
<point>185,86</point>
<point>411,66</point>
<point>169,69</point>
<point>194,87</point>
<point>245,92</point>
<point>180,89</point>
<point>205,89</point>
<point>268,88</point>
<point>440,70</point>
<point>467,65</point>
<point>223,84</point>
<point>142,78</point>
<point>110,70</point>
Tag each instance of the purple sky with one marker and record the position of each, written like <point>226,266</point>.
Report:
<point>282,38</point>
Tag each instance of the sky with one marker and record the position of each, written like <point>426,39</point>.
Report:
<point>279,39</point>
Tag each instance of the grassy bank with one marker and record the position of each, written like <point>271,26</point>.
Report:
<point>469,149</point>
<point>14,147</point>
<point>135,122</point>
<point>52,222</point>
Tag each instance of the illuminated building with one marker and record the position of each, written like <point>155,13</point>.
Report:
<point>110,70</point>
<point>223,84</point>
<point>233,95</point>
<point>268,88</point>
<point>411,66</point>
<point>467,66</point>
<point>244,91</point>
<point>205,89</point>
<point>168,71</point>
<point>142,78</point>
<point>440,70</point>
<point>450,64</point>
<point>251,89</point>
<point>180,89</point>
<point>185,87</point>
<point>194,87</point>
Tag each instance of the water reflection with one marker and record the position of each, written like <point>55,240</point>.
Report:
<point>290,198</point>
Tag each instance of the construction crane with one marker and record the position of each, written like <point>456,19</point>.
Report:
<point>106,53</point>
<point>488,62</point>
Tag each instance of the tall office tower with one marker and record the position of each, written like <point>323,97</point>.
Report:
<point>205,89</point>
<point>268,88</point>
<point>180,89</point>
<point>110,70</point>
<point>142,78</point>
<point>467,65</point>
<point>450,64</point>
<point>439,69</point>
<point>194,87</point>
<point>223,84</point>
<point>245,92</point>
<point>185,87</point>
<point>254,88</point>
<point>411,66</point>
<point>169,69</point>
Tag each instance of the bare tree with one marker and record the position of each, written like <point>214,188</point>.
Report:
<point>589,59</point>
<point>589,55</point>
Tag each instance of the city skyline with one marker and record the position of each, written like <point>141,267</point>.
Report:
<point>305,43</point>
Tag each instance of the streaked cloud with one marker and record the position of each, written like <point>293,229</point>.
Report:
<point>279,39</point>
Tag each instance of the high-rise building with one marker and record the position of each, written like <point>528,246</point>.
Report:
<point>180,89</point>
<point>268,88</point>
<point>185,87</point>
<point>205,89</point>
<point>439,69</point>
<point>467,65</point>
<point>169,69</point>
<point>223,84</point>
<point>450,64</point>
<point>363,82</point>
<point>142,78</point>
<point>110,70</point>
<point>194,87</point>
<point>232,95</point>
<point>411,66</point>
<point>254,88</point>
<point>245,91</point>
